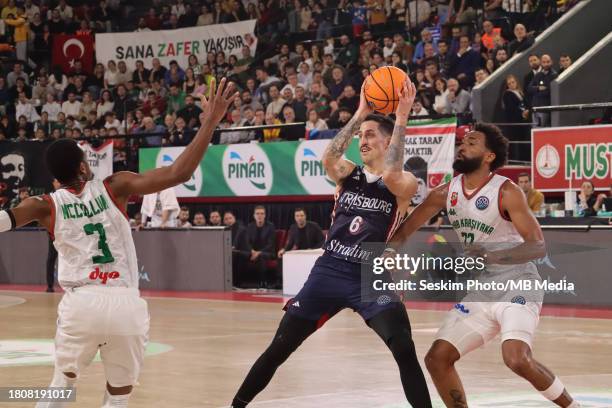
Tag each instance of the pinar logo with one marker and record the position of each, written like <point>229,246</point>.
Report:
<point>454,197</point>
<point>96,274</point>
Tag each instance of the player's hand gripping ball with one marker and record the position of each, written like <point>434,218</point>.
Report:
<point>382,87</point>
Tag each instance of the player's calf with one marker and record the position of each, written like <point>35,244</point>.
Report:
<point>440,362</point>
<point>518,358</point>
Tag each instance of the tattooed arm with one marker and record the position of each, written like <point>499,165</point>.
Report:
<point>336,167</point>
<point>401,183</point>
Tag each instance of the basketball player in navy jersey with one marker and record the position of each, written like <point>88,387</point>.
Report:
<point>491,216</point>
<point>371,200</point>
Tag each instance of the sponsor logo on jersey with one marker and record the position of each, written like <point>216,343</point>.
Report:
<point>454,198</point>
<point>360,202</point>
<point>452,212</point>
<point>349,251</point>
<point>247,170</point>
<point>96,274</point>
<point>89,209</point>
<point>482,202</point>
<point>518,299</point>
<point>296,304</point>
<point>462,308</point>
<point>309,167</point>
<point>191,188</point>
<point>473,225</point>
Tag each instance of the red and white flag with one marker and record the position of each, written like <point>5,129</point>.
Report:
<point>67,49</point>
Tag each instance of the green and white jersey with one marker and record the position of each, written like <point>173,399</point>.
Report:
<point>93,238</point>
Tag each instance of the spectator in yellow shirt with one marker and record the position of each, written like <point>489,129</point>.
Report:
<point>10,8</point>
<point>271,134</point>
<point>20,35</point>
<point>535,199</point>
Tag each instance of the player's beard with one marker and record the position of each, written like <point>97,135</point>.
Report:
<point>466,166</point>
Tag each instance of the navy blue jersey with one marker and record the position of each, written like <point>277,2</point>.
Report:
<point>364,212</point>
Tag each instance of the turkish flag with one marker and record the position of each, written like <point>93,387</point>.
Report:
<point>69,48</point>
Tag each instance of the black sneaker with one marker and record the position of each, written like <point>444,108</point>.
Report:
<point>50,290</point>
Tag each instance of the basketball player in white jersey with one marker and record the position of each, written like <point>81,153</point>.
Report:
<point>101,308</point>
<point>492,219</point>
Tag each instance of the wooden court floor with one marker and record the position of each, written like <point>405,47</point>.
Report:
<point>202,350</point>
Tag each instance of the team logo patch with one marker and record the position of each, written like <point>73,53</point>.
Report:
<point>518,299</point>
<point>454,198</point>
<point>482,202</point>
<point>462,308</point>
<point>383,300</point>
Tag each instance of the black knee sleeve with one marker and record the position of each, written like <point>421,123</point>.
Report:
<point>291,332</point>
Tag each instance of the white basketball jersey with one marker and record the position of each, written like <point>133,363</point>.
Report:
<point>93,239</point>
<point>479,217</point>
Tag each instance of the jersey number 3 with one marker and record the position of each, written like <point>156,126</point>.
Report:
<point>107,256</point>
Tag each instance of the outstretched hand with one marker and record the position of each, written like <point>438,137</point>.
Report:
<point>407,93</point>
<point>215,106</point>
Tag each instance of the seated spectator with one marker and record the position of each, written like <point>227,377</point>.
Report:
<point>535,199</point>
<point>261,237</point>
<point>339,118</point>
<point>190,112</point>
<point>17,72</point>
<point>105,104</point>
<point>337,84</point>
<point>349,99</point>
<point>303,234</point>
<point>40,90</point>
<point>419,52</point>
<point>87,105</point>
<point>276,103</point>
<point>501,56</point>
<point>240,136</point>
<point>418,109</point>
<point>457,99</point>
<point>271,134</point>
<point>466,61</point>
<point>123,73</point>
<point>489,34</point>
<point>183,218</point>
<point>441,96</point>
<point>199,220</point>
<point>588,203</point>
<point>182,134</point>
<point>522,41</point>
<point>149,127</point>
<point>25,108</point>
<point>348,54</point>
<point>315,122</point>
<point>72,106</point>
<point>111,75</point>
<point>215,218</point>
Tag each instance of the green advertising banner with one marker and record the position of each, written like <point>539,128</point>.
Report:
<point>286,168</point>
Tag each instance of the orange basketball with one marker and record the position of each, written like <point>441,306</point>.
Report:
<point>381,89</point>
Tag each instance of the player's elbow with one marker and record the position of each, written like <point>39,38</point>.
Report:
<point>180,176</point>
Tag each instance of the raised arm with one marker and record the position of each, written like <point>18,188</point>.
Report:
<point>336,167</point>
<point>401,183</point>
<point>124,184</point>
<point>435,201</point>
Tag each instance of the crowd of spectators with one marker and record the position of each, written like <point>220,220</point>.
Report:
<point>447,46</point>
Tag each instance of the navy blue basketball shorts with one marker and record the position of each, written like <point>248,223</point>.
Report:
<point>335,284</point>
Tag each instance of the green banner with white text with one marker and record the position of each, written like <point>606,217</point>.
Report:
<point>295,168</point>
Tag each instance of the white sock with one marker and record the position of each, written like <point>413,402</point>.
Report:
<point>59,380</point>
<point>115,400</point>
<point>554,391</point>
<point>574,404</point>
